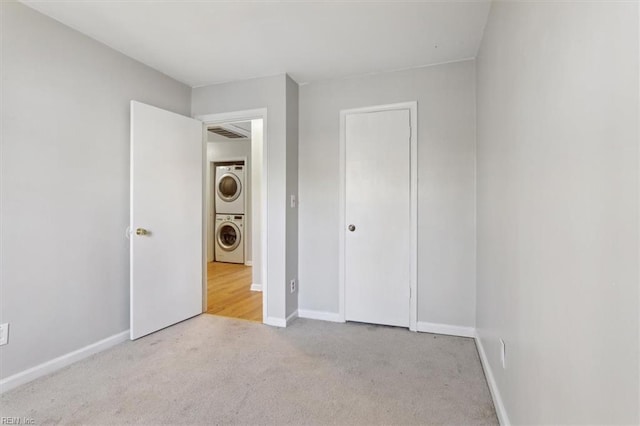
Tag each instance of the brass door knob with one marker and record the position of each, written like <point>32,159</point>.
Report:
<point>141,231</point>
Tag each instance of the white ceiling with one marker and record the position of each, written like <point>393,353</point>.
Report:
<point>207,42</point>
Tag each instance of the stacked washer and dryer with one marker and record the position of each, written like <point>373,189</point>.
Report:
<point>230,213</point>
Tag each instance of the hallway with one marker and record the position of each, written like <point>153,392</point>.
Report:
<point>229,292</point>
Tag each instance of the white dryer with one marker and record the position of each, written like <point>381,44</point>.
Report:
<point>229,236</point>
<point>230,189</point>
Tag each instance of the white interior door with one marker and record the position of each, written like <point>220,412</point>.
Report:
<point>166,218</point>
<point>377,212</point>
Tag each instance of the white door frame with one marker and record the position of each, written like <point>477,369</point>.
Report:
<point>246,115</point>
<point>211,164</point>
<point>413,220</point>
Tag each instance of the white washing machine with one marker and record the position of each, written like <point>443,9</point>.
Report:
<point>229,236</point>
<point>230,189</point>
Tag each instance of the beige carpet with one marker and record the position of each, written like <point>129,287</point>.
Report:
<point>215,370</point>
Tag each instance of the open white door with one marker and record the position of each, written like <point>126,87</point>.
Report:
<point>166,218</point>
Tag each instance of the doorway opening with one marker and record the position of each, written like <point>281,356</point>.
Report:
<point>233,232</point>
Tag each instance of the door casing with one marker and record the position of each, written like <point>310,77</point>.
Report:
<point>413,219</point>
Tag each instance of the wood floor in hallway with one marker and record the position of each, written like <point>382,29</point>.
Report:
<point>229,292</point>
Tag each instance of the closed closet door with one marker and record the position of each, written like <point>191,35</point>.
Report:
<point>377,213</point>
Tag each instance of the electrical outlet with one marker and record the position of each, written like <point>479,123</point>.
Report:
<point>4,334</point>
<point>292,286</point>
<point>503,353</point>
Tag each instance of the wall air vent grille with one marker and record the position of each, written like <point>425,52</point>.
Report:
<point>226,133</point>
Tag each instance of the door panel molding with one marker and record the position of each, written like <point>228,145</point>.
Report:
<point>412,107</point>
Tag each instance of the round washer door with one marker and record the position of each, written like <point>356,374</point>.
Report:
<point>229,187</point>
<point>228,236</point>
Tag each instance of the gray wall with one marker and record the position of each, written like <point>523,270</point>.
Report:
<point>446,190</point>
<point>292,189</point>
<point>270,93</point>
<point>558,209</point>
<point>65,185</point>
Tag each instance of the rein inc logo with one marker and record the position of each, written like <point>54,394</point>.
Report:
<point>17,421</point>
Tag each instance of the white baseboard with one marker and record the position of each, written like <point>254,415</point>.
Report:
<point>248,263</point>
<point>256,287</point>
<point>454,330</point>
<point>451,330</point>
<point>503,418</point>
<point>291,317</point>
<point>319,315</point>
<point>281,322</point>
<point>275,322</point>
<point>61,362</point>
